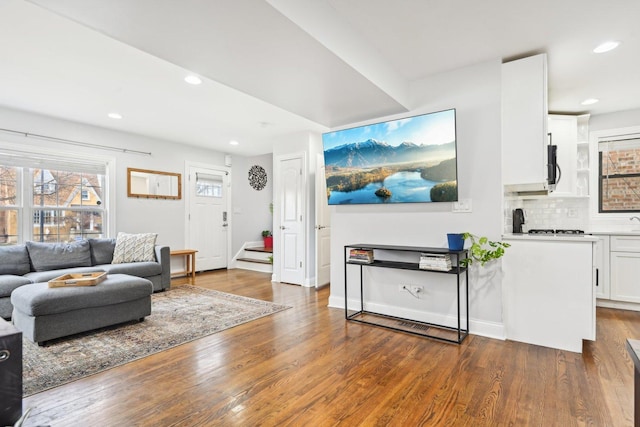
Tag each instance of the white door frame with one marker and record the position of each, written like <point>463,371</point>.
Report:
<point>322,222</point>
<point>187,202</point>
<point>277,193</point>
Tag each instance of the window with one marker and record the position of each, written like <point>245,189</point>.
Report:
<point>619,175</point>
<point>9,205</point>
<point>63,198</point>
<point>41,218</point>
<point>208,185</point>
<point>62,214</point>
<point>44,183</point>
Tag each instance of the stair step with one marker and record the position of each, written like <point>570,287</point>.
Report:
<point>259,261</point>
<point>259,249</point>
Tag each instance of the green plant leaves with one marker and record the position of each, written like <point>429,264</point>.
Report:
<point>482,250</point>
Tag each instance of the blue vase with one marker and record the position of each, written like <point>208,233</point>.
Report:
<point>456,241</point>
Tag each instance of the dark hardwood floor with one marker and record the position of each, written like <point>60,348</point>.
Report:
<point>307,367</point>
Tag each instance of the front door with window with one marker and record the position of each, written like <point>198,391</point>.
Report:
<point>207,217</point>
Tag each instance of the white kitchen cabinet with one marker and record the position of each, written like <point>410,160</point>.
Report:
<point>625,268</point>
<point>549,296</point>
<point>582,170</point>
<point>564,134</point>
<point>524,120</point>
<point>601,264</point>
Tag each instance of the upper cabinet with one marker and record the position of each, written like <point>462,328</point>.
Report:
<point>570,135</point>
<point>524,121</point>
<point>563,132</point>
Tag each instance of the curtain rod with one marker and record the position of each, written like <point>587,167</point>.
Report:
<point>72,142</point>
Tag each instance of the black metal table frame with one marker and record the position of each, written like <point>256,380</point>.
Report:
<point>457,270</point>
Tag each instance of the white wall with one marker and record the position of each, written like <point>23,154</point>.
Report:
<point>620,119</point>
<point>251,212</point>
<point>475,94</point>
<point>133,215</point>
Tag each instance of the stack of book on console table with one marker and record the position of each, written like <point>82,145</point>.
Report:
<point>364,256</point>
<point>440,262</point>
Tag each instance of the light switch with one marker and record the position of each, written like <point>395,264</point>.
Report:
<point>462,205</point>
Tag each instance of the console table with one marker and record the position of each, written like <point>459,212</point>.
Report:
<point>412,253</point>
<point>633,347</point>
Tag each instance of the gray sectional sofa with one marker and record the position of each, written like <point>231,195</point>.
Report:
<point>34,262</point>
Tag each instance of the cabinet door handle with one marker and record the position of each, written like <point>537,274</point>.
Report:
<point>597,277</point>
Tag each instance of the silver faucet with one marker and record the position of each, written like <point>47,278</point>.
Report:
<point>634,217</point>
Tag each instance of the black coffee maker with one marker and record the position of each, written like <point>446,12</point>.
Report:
<point>518,220</point>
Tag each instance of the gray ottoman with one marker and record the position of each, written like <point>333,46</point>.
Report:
<point>44,313</point>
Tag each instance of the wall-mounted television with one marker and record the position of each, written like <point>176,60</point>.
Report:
<point>409,160</point>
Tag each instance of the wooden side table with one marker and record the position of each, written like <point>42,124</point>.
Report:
<point>190,261</point>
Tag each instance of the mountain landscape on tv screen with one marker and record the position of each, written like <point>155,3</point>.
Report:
<point>375,172</point>
<point>372,153</point>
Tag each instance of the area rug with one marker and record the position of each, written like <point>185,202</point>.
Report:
<point>180,315</point>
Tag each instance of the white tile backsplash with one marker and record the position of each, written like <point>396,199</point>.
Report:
<point>549,212</point>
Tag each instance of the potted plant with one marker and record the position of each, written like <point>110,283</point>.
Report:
<point>482,250</point>
<point>267,237</point>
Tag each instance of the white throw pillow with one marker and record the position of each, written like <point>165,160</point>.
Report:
<point>134,248</point>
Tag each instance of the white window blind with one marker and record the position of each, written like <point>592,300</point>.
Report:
<point>624,143</point>
<point>39,161</point>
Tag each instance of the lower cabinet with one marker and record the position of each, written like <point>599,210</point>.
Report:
<point>624,259</point>
<point>601,264</point>
<point>549,296</point>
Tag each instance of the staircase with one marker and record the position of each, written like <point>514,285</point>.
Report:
<point>255,259</point>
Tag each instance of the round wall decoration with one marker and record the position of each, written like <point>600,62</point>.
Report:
<point>257,177</point>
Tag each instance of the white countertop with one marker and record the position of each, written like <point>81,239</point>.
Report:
<point>615,233</point>
<point>552,237</point>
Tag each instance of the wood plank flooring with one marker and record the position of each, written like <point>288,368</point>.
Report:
<point>307,367</point>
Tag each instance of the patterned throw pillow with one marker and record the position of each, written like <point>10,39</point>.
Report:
<point>134,248</point>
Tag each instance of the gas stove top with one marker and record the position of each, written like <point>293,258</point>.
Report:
<point>556,231</point>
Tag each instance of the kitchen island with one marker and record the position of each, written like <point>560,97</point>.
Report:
<point>548,290</point>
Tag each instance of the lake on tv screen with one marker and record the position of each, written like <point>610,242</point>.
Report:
<point>405,187</point>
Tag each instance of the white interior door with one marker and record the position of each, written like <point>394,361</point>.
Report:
<point>292,242</point>
<point>323,226</point>
<point>208,225</point>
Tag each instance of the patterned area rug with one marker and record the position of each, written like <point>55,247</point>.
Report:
<point>180,315</point>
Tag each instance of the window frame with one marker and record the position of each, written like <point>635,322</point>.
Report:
<point>26,188</point>
<point>607,218</point>
<point>17,206</point>
<point>602,178</point>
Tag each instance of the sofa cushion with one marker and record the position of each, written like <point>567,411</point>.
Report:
<point>9,282</point>
<point>45,276</point>
<point>134,248</point>
<point>53,256</point>
<point>140,269</point>
<point>102,250</point>
<point>14,259</point>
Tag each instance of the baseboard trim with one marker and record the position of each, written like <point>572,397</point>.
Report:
<point>478,327</point>
<point>620,305</point>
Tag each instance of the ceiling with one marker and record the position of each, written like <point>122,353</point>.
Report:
<point>276,67</point>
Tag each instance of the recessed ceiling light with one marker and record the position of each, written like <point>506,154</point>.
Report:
<point>193,80</point>
<point>606,47</point>
<point>234,142</point>
<point>589,101</point>
<point>116,116</point>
